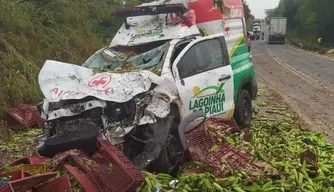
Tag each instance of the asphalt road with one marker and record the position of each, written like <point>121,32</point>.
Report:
<point>303,80</point>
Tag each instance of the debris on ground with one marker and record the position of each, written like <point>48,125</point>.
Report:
<point>75,170</point>
<point>275,154</point>
<point>279,155</point>
<point>25,117</point>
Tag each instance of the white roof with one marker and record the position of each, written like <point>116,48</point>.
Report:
<point>150,28</point>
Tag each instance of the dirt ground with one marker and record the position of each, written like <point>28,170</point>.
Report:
<point>310,98</point>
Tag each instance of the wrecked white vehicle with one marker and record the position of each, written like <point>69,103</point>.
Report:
<point>157,71</point>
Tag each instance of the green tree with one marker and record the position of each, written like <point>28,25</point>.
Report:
<point>307,20</point>
<point>248,15</point>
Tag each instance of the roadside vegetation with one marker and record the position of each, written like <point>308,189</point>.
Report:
<point>33,31</point>
<point>308,20</point>
<point>248,16</point>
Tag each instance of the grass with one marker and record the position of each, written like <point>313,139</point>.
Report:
<point>309,43</point>
<point>34,31</point>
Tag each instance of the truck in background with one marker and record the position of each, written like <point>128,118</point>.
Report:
<point>257,28</point>
<point>257,21</point>
<point>277,30</point>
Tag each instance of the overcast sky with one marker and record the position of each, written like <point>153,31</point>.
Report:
<point>258,6</point>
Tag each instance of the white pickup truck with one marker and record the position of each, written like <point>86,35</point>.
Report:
<point>166,62</point>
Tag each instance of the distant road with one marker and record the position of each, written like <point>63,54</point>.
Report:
<point>304,80</point>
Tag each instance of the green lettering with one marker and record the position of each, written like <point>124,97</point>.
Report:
<point>190,106</point>
<point>213,99</point>
<point>221,98</point>
<point>214,110</point>
<point>218,98</point>
<point>219,107</point>
<point>207,110</point>
<point>200,102</point>
<point>196,104</point>
<point>206,101</point>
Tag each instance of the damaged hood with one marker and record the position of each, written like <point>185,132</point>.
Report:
<point>63,81</point>
<point>152,28</point>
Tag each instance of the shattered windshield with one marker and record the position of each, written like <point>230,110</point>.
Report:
<point>128,59</point>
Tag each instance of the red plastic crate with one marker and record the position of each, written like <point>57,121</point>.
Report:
<point>5,188</point>
<point>15,162</point>
<point>81,177</point>
<point>123,176</point>
<point>202,139</point>
<point>28,115</point>
<point>225,159</point>
<point>20,161</point>
<point>13,175</point>
<point>78,156</point>
<point>199,143</point>
<point>60,184</point>
<point>195,170</point>
<point>27,183</point>
<point>37,160</point>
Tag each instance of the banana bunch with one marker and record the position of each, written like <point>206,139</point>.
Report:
<point>268,186</point>
<point>235,182</point>
<point>193,165</point>
<point>156,70</point>
<point>262,104</point>
<point>126,67</point>
<point>197,182</point>
<point>128,56</point>
<point>153,181</point>
<point>280,145</point>
<point>101,70</point>
<point>277,142</point>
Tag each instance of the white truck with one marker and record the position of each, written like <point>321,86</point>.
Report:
<point>277,30</point>
<point>166,63</point>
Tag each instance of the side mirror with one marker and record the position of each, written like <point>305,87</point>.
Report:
<point>189,123</point>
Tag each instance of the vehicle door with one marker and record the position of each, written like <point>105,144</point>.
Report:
<point>204,77</point>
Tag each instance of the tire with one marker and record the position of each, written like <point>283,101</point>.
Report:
<point>243,110</point>
<point>171,153</point>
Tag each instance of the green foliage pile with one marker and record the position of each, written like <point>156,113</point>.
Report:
<point>307,21</point>
<point>32,31</point>
<point>276,138</point>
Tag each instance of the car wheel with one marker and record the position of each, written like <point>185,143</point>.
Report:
<point>243,111</point>
<point>170,155</point>
<point>172,152</point>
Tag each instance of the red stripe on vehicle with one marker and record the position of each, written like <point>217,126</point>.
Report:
<point>205,11</point>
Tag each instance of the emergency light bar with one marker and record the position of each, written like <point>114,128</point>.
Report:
<point>149,10</point>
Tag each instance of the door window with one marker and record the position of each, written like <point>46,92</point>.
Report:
<point>203,56</point>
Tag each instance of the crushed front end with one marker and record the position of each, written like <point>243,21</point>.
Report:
<point>77,123</point>
<point>82,105</point>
